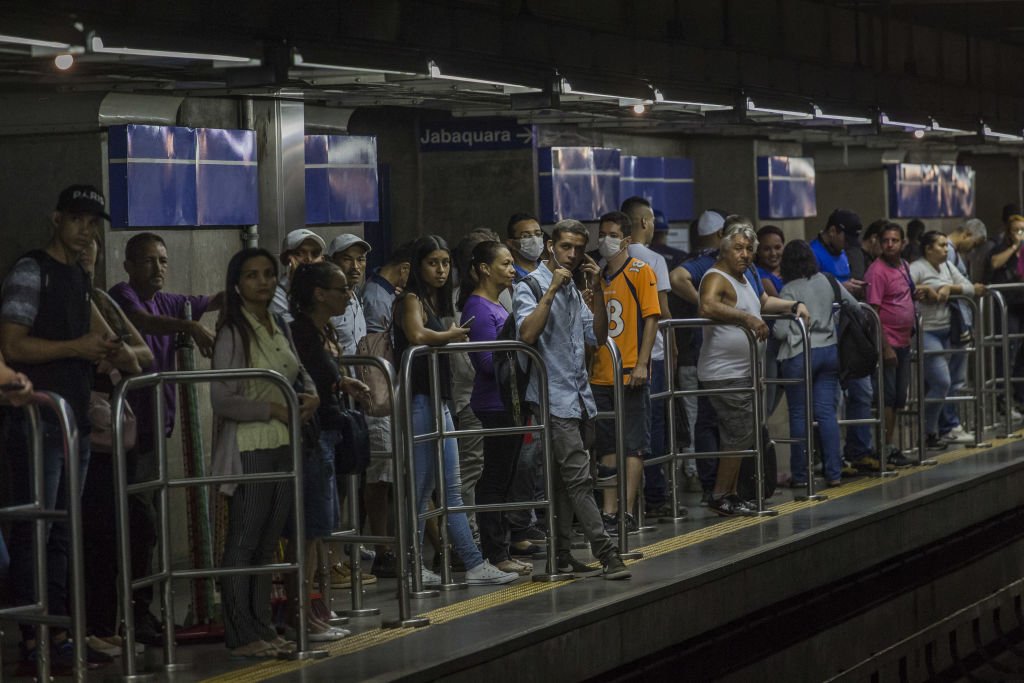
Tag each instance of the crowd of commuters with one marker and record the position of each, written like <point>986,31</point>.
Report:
<point>303,311</point>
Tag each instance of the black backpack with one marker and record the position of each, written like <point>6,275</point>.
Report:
<point>858,352</point>
<point>511,375</point>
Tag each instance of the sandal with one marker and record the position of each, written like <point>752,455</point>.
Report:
<point>257,649</point>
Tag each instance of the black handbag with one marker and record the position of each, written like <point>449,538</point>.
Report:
<point>352,450</point>
<point>959,331</point>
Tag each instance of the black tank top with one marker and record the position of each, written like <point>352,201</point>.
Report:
<point>420,365</point>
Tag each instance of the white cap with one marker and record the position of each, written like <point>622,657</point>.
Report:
<point>296,237</point>
<point>709,223</point>
<point>344,241</point>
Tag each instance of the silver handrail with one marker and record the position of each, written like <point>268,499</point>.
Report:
<point>400,540</point>
<point>440,434</point>
<point>672,393</point>
<point>164,483</point>
<point>38,612</point>
<point>1000,341</point>
<point>977,351</point>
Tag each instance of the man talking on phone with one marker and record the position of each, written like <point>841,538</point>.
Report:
<point>560,323</point>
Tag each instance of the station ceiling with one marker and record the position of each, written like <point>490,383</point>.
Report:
<point>864,72</point>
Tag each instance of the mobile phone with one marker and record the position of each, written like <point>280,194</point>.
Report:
<point>12,386</point>
<point>468,321</point>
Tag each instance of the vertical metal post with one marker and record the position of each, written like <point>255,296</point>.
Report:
<point>921,390</point>
<point>978,362</point>
<point>670,382</point>
<point>883,456</point>
<point>412,512</point>
<point>809,417</point>
<point>757,388</point>
<point>356,560</point>
<point>164,507</point>
<point>41,525</point>
<point>622,479</point>
<point>447,583</point>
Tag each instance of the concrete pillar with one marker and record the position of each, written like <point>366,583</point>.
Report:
<point>280,131</point>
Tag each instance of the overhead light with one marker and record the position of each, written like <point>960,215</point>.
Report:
<point>842,118</point>
<point>96,45</point>
<point>659,98</point>
<point>297,60</point>
<point>786,113</point>
<point>434,71</point>
<point>942,129</point>
<point>884,119</point>
<point>63,62</point>
<point>565,87</point>
<point>32,42</point>
<point>1007,137</point>
<point>639,108</point>
<point>918,133</point>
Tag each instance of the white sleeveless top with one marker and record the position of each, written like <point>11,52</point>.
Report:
<point>725,353</point>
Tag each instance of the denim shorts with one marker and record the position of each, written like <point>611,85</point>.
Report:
<point>636,412</point>
<point>320,489</point>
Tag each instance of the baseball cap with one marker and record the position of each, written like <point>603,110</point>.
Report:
<point>296,237</point>
<point>845,219</point>
<point>83,199</point>
<point>344,241</point>
<point>660,224</point>
<point>709,223</point>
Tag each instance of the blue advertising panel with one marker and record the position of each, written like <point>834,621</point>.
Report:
<point>475,135</point>
<point>785,187</point>
<point>341,179</point>
<point>577,182</point>
<point>930,191</point>
<point>227,186</point>
<point>666,182</point>
<point>163,176</point>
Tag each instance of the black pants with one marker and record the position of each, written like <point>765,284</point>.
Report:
<point>501,453</point>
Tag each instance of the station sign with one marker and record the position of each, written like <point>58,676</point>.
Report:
<point>475,135</point>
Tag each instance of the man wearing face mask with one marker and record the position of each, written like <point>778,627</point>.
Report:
<point>631,299</point>
<point>525,240</point>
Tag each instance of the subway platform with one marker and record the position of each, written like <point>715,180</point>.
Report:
<point>712,598</point>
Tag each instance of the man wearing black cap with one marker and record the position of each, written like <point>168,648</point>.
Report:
<point>51,332</point>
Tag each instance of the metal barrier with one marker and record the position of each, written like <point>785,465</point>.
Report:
<point>879,393</point>
<point>164,483</point>
<point>38,612</point>
<point>400,540</point>
<point>672,393</point>
<point>976,350</point>
<point>1000,342</point>
<point>440,434</point>
<point>616,414</point>
<point>808,385</point>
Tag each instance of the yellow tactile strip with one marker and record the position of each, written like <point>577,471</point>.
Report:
<point>464,608</point>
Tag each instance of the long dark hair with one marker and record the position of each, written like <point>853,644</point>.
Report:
<point>798,261</point>
<point>306,278</point>
<point>231,316</point>
<point>483,252</point>
<point>420,250</point>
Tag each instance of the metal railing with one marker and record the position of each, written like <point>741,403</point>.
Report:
<point>38,612</point>
<point>976,350</point>
<point>164,483</point>
<point>999,342</point>
<point>616,414</point>
<point>438,436</point>
<point>400,541</point>
<point>673,393</point>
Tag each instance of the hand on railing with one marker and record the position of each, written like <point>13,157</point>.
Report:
<point>15,389</point>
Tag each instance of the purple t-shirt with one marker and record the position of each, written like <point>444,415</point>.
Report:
<point>162,346</point>
<point>490,318</point>
<point>889,289</point>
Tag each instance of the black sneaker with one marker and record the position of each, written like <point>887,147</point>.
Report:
<point>611,523</point>
<point>567,564</point>
<point>614,568</point>
<point>384,565</point>
<point>705,498</point>
<point>631,526</point>
<point>531,534</point>
<point>665,510</point>
<point>527,551</point>
<point>933,443</point>
<point>148,629</point>
<point>898,460</point>
<point>606,473</point>
<point>729,506</point>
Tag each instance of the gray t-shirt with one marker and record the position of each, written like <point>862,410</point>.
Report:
<point>816,294</point>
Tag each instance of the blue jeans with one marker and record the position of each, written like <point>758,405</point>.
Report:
<point>936,377</point>
<point>859,397</point>
<point>22,570</point>
<point>425,472</point>
<point>824,387</point>
<point>705,440</point>
<point>655,483</point>
<point>949,416</point>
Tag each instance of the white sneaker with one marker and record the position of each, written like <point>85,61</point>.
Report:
<point>430,578</point>
<point>330,635</point>
<point>486,574</point>
<point>958,435</point>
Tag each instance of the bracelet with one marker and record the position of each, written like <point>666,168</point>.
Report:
<point>792,309</point>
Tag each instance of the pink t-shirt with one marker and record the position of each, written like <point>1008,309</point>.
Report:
<point>889,289</point>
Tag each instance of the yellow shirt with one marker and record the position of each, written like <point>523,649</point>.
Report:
<point>270,351</point>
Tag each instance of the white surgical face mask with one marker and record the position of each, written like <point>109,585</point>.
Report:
<point>531,247</point>
<point>609,246</point>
